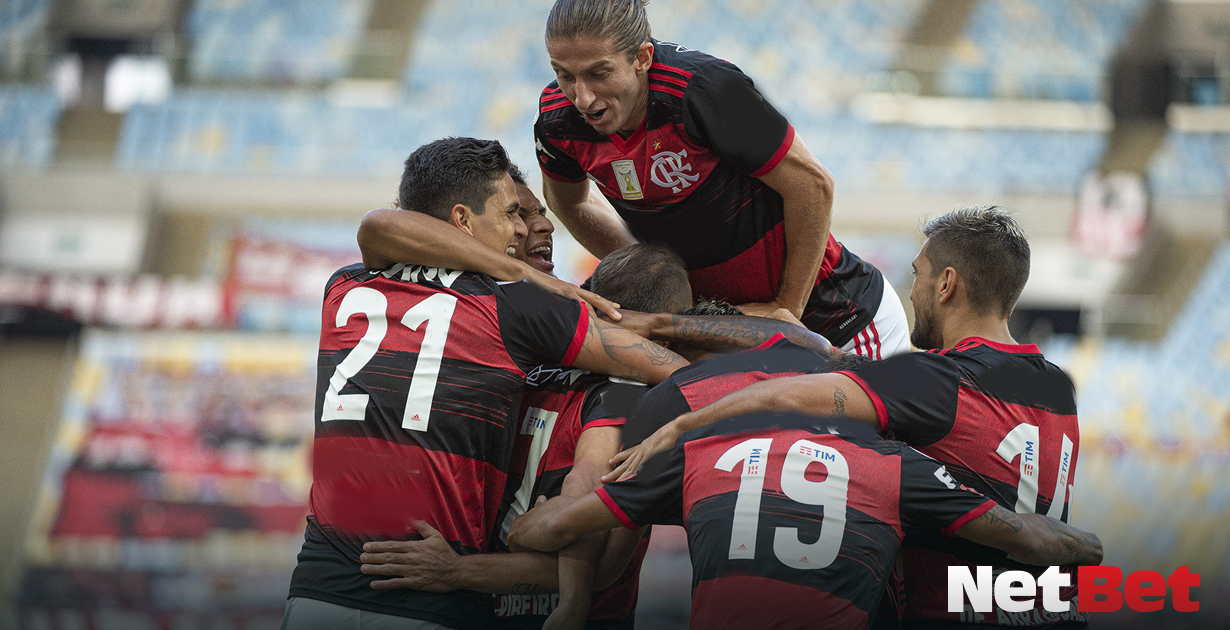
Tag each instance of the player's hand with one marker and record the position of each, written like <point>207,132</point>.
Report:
<point>607,308</point>
<point>767,309</point>
<point>424,565</point>
<point>637,322</point>
<point>627,462</point>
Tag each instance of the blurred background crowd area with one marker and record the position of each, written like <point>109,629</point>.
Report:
<point>178,178</point>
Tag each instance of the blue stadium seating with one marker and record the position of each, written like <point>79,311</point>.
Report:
<point>1048,49</point>
<point>1191,165</point>
<point>273,40</point>
<point>20,20</point>
<point>28,116</point>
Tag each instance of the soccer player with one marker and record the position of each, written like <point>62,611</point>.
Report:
<point>539,245</point>
<point>421,375</point>
<point>997,413</point>
<point>690,155</point>
<point>794,521</point>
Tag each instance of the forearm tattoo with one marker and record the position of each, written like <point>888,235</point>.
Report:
<point>1005,519</point>
<point>839,402</point>
<point>625,347</point>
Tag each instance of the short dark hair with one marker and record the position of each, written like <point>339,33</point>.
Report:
<point>517,176</point>
<point>640,277</point>
<point>988,248</point>
<point>712,307</point>
<point>451,171</point>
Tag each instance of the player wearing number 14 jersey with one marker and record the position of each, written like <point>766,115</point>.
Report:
<point>995,412</point>
<point>794,521</point>
<point>421,376</point>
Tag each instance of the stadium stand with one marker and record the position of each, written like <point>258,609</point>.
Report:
<point>497,47</point>
<point>28,116</point>
<point>1156,417</point>
<point>1190,165</point>
<point>1047,49</point>
<point>273,40</point>
<point>20,22</point>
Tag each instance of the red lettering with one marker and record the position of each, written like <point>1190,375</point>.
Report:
<point>1180,582</point>
<point>1134,591</point>
<point>1089,590</point>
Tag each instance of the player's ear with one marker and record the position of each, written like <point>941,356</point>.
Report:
<point>463,218</point>
<point>643,58</point>
<point>947,284</point>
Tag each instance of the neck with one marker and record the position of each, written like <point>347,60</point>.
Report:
<point>969,325</point>
<point>640,113</point>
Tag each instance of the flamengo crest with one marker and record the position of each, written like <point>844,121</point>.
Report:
<point>668,171</point>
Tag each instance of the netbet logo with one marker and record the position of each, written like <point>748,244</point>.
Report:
<point>1017,591</point>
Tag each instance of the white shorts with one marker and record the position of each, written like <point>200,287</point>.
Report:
<point>887,334</point>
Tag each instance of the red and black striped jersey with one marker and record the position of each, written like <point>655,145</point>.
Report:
<point>698,384</point>
<point>1003,420</point>
<point>792,521</point>
<point>688,178</point>
<point>421,375</point>
<point>560,404</point>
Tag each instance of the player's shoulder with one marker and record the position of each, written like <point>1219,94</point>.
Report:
<point>681,72</point>
<point>559,119</point>
<point>348,275</point>
<point>1014,373</point>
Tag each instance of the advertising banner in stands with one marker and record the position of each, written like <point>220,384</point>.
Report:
<point>178,486</point>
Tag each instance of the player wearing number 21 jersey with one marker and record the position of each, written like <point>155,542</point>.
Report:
<point>793,521</point>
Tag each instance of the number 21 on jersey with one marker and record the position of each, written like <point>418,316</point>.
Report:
<point>436,311</point>
<point>829,494</point>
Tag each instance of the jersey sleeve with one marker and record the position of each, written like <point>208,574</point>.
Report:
<point>660,405</point>
<point>724,110</point>
<point>540,327</point>
<point>915,395</point>
<point>553,161</point>
<point>610,404</point>
<point>652,496</point>
<point>932,500</point>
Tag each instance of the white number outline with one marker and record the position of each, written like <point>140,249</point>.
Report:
<point>437,310</point>
<point>539,423</point>
<point>1024,444</point>
<point>832,494</point>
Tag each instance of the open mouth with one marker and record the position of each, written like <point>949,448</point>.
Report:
<point>595,117</point>
<point>541,255</point>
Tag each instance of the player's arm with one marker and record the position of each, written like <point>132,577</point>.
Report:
<point>830,394</point>
<point>432,565</point>
<point>609,349</point>
<point>588,217</point>
<point>388,236</point>
<point>555,523</point>
<point>1033,538</point>
<point>723,333</point>
<point>578,561</point>
<point>806,188</point>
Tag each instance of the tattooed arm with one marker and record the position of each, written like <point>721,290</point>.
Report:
<point>723,333</point>
<point>1033,538</point>
<point>609,349</point>
<point>813,394</point>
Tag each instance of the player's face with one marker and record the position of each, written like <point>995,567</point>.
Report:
<point>536,249</point>
<point>926,334</point>
<point>610,91</point>
<point>500,227</point>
